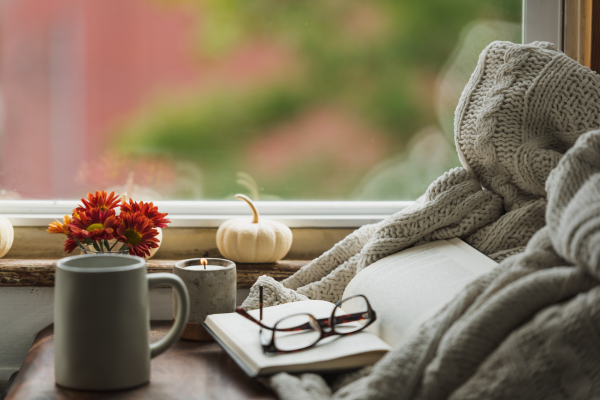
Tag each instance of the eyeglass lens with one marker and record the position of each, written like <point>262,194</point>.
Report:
<point>306,332</point>
<point>352,315</point>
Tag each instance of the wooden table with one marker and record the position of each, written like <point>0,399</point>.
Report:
<point>189,370</point>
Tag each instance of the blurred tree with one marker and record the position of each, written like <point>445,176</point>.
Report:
<point>377,61</point>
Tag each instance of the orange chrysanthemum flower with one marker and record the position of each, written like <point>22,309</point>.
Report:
<point>58,227</point>
<point>99,200</point>
<point>137,233</point>
<point>64,228</point>
<point>94,225</point>
<point>148,210</point>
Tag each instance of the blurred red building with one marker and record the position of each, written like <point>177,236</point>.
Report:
<point>73,71</point>
<point>69,70</point>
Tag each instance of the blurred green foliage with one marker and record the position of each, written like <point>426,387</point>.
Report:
<point>378,60</point>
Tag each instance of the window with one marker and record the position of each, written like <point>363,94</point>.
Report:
<point>283,100</point>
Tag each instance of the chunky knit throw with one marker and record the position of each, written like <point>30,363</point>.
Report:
<point>523,107</point>
<point>531,327</point>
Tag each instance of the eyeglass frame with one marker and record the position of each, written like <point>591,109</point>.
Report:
<point>323,323</point>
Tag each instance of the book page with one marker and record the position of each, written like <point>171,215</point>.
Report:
<point>406,288</point>
<point>476,254</point>
<point>243,336</point>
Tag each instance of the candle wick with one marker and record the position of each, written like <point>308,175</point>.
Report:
<point>203,262</point>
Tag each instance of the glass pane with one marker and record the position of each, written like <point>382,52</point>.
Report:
<point>306,334</point>
<point>203,99</point>
<point>354,315</point>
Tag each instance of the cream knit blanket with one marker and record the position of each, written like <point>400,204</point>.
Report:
<point>518,332</point>
<point>528,330</point>
<point>523,107</point>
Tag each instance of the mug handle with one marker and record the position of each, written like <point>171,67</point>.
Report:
<point>183,311</point>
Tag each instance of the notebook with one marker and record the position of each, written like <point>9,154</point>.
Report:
<point>404,289</point>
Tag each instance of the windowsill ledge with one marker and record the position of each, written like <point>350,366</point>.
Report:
<point>40,272</point>
<point>211,214</point>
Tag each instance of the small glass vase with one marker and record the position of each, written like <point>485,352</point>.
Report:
<point>96,252</point>
<point>115,248</point>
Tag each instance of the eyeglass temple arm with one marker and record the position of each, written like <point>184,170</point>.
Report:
<point>260,301</point>
<point>245,314</point>
<point>340,319</point>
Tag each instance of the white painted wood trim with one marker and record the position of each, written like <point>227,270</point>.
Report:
<point>211,214</point>
<point>543,20</point>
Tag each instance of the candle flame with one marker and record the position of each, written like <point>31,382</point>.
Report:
<point>203,262</point>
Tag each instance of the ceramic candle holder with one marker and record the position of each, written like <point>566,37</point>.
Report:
<point>212,290</point>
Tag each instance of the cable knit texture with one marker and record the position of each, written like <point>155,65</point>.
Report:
<point>523,107</point>
<point>530,328</point>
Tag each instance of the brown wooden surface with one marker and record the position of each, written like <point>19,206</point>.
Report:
<point>189,370</point>
<point>177,243</point>
<point>595,37</point>
<point>36,272</point>
<point>574,30</point>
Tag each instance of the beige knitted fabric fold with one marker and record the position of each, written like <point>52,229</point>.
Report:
<point>523,107</point>
<point>530,329</point>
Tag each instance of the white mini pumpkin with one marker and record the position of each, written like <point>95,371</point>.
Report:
<point>7,235</point>
<point>253,241</point>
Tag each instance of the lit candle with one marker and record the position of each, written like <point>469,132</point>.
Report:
<point>212,286</point>
<point>203,266</point>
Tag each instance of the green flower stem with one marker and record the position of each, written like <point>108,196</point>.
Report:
<point>98,249</point>
<point>123,247</point>
<point>79,244</point>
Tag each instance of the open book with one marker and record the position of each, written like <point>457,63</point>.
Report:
<point>404,289</point>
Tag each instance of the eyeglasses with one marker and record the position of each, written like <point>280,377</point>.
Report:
<point>301,331</point>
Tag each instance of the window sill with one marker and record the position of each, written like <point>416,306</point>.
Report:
<point>316,227</point>
<point>35,243</point>
<point>211,214</point>
<point>40,272</point>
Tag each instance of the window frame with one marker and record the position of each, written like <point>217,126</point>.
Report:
<point>295,214</point>
<point>211,214</point>
<point>536,14</point>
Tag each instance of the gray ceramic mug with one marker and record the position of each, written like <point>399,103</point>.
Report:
<point>102,321</point>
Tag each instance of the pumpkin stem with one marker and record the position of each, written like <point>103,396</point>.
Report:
<point>247,200</point>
